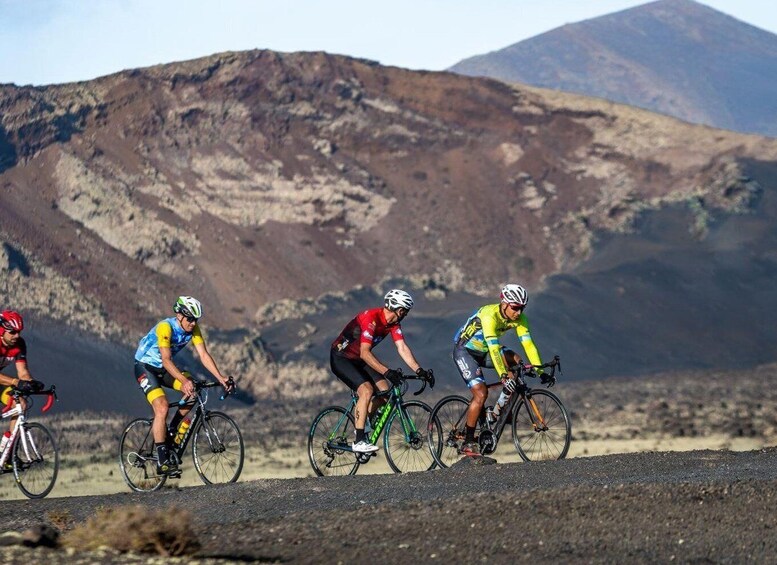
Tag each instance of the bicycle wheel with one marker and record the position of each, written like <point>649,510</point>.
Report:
<point>218,449</point>
<point>333,427</point>
<point>35,460</point>
<point>405,440</point>
<point>446,429</point>
<point>541,427</point>
<point>137,457</point>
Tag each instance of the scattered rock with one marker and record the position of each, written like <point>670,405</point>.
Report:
<point>41,535</point>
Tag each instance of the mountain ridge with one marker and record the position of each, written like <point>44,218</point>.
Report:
<point>677,57</point>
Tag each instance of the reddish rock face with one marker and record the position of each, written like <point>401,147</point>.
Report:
<point>246,178</point>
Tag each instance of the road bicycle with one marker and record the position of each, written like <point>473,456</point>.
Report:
<point>404,441</point>
<point>217,449</point>
<point>33,453</point>
<point>540,424</point>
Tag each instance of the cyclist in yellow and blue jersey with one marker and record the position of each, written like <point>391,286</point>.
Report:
<point>476,345</point>
<point>154,369</point>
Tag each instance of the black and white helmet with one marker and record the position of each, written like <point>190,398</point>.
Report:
<point>514,294</point>
<point>396,299</point>
<point>188,306</point>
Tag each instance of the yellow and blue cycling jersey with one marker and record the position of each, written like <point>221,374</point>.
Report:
<point>482,331</point>
<point>167,333</point>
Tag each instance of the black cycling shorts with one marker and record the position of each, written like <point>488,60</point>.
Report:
<point>470,363</point>
<point>151,380</point>
<point>353,372</point>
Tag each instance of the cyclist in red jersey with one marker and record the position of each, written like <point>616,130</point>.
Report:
<point>353,362</point>
<point>13,349</point>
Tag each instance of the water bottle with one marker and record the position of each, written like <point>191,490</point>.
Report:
<point>507,391</point>
<point>182,427</point>
<point>5,440</point>
<point>490,416</point>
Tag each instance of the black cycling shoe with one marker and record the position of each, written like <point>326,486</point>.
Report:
<point>167,468</point>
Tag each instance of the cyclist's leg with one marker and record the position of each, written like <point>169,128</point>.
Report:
<point>151,380</point>
<point>183,410</point>
<point>352,373</point>
<point>380,384</point>
<point>470,370</point>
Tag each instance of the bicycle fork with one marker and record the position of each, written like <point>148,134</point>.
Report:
<point>535,415</point>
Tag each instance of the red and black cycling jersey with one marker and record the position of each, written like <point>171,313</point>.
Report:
<point>368,327</point>
<point>16,353</point>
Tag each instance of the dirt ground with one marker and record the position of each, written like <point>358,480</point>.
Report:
<point>660,469</point>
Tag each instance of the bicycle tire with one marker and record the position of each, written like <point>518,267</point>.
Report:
<point>450,414</point>
<point>36,464</point>
<point>322,457</point>
<point>218,451</point>
<point>405,456</point>
<point>137,457</point>
<point>551,442</point>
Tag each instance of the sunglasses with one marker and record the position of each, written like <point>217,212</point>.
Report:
<point>190,319</point>
<point>516,307</point>
<point>12,332</point>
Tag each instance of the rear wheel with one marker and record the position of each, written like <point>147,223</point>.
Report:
<point>447,429</point>
<point>217,449</point>
<point>35,460</point>
<point>405,443</point>
<point>541,427</point>
<point>137,457</point>
<point>332,430</point>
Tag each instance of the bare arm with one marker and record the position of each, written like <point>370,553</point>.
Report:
<point>21,370</point>
<point>366,354</point>
<point>407,355</point>
<point>209,363</point>
<point>187,387</point>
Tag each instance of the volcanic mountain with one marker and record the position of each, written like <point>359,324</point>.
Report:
<point>286,191</point>
<point>677,57</point>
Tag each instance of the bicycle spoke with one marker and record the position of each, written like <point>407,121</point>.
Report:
<point>406,444</point>
<point>541,428</point>
<point>332,427</point>
<point>446,436</point>
<point>35,460</point>
<point>137,457</point>
<point>218,449</point>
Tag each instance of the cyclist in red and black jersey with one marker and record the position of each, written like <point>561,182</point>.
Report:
<point>353,362</point>
<point>13,349</point>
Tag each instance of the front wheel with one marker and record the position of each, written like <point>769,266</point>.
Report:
<point>329,443</point>
<point>137,457</point>
<point>541,427</point>
<point>447,429</point>
<point>218,449</point>
<point>35,460</point>
<point>405,440</point>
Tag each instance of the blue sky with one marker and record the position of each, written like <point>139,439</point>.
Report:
<point>54,41</point>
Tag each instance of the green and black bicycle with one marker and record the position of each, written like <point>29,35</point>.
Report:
<point>404,441</point>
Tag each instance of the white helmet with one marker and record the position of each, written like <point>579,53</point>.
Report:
<point>514,294</point>
<point>188,306</point>
<point>396,298</point>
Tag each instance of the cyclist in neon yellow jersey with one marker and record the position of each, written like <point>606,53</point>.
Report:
<point>477,346</point>
<point>154,369</point>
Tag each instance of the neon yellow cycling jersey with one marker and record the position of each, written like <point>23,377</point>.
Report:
<point>482,331</point>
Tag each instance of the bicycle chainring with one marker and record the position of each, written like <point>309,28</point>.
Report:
<point>487,442</point>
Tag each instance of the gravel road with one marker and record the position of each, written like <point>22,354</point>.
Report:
<point>710,506</point>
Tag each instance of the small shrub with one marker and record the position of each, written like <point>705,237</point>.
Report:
<point>136,528</point>
<point>60,519</point>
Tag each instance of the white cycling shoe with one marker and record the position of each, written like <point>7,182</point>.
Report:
<point>364,447</point>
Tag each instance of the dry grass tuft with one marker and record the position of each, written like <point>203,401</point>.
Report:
<point>60,519</point>
<point>137,529</point>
